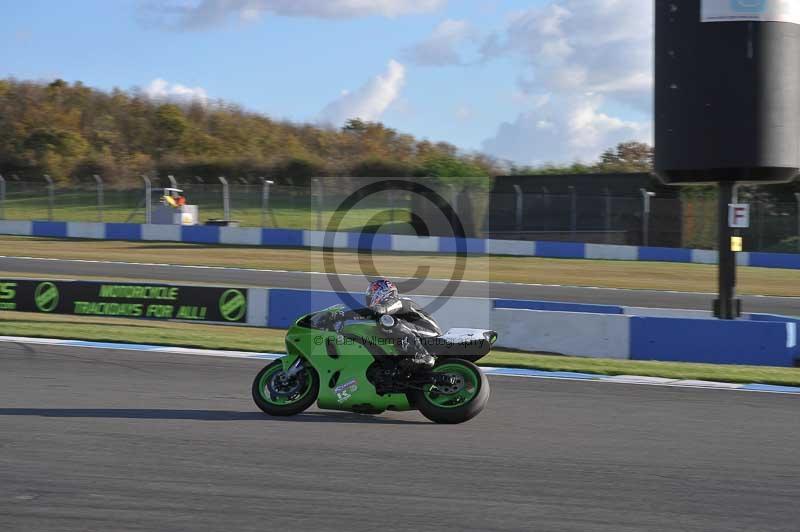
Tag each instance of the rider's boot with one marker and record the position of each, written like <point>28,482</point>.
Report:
<point>421,357</point>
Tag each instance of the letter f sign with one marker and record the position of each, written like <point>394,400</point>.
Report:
<point>739,215</point>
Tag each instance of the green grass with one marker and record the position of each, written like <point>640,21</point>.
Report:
<point>127,206</point>
<point>271,340</point>
<point>141,331</point>
<point>670,370</point>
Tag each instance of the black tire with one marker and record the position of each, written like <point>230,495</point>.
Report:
<point>458,414</point>
<point>291,409</point>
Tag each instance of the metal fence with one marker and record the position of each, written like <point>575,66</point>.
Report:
<point>641,219</point>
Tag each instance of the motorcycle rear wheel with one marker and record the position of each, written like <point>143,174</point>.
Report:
<point>278,396</point>
<point>457,403</point>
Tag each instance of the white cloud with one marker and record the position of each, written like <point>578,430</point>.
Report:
<point>370,101</point>
<point>564,130</point>
<point>601,46</point>
<point>160,89</point>
<point>584,57</point>
<point>201,14</point>
<point>441,48</point>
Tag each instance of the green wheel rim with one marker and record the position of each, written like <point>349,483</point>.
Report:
<point>281,400</point>
<point>467,392</point>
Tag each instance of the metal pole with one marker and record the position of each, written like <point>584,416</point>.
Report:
<point>148,200</point>
<point>100,202</point>
<point>226,198</point>
<point>608,214</point>
<point>51,199</point>
<point>265,200</point>
<point>3,197</point>
<point>726,307</point>
<point>796,196</point>
<point>646,216</point>
<point>453,199</point>
<point>573,212</point>
<point>546,207</point>
<point>519,205</point>
<point>317,185</point>
<point>172,181</point>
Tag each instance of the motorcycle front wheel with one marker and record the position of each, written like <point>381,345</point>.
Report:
<point>458,402</point>
<point>277,394</point>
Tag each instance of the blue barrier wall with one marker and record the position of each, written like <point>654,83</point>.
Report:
<point>123,232</point>
<point>367,241</point>
<point>281,237</point>
<point>385,242</point>
<point>762,340</point>
<point>561,250</point>
<point>50,229</point>
<point>711,341</point>
<point>665,254</point>
<point>286,305</point>
<point>555,306</point>
<point>472,246</point>
<point>775,260</point>
<point>200,234</point>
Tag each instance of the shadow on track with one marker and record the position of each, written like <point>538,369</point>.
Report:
<point>202,415</point>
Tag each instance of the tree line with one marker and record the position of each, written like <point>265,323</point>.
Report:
<point>71,131</point>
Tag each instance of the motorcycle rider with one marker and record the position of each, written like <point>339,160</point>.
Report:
<point>402,320</point>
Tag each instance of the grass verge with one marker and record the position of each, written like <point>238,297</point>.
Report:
<point>128,206</point>
<point>600,273</point>
<point>271,340</point>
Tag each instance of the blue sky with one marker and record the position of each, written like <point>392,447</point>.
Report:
<point>427,67</point>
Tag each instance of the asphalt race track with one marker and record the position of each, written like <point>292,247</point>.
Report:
<point>117,440</point>
<point>303,280</point>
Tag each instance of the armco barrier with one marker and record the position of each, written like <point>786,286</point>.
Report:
<point>246,236</point>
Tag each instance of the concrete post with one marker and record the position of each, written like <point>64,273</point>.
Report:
<point>573,212</point>
<point>317,185</point>
<point>148,200</point>
<point>51,196</point>
<point>265,200</point>
<point>519,204</point>
<point>646,196</point>
<point>226,198</point>
<point>797,197</point>
<point>2,197</point>
<point>100,199</point>
<point>607,214</point>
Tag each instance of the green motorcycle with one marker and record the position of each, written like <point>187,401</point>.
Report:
<point>348,360</point>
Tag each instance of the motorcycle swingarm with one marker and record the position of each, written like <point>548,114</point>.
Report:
<point>418,383</point>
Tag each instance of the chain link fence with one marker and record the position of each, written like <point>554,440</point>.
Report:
<point>681,221</point>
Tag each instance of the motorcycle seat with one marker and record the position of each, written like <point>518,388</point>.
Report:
<point>468,344</point>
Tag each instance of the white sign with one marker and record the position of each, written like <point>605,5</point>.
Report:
<point>751,10</point>
<point>739,215</point>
